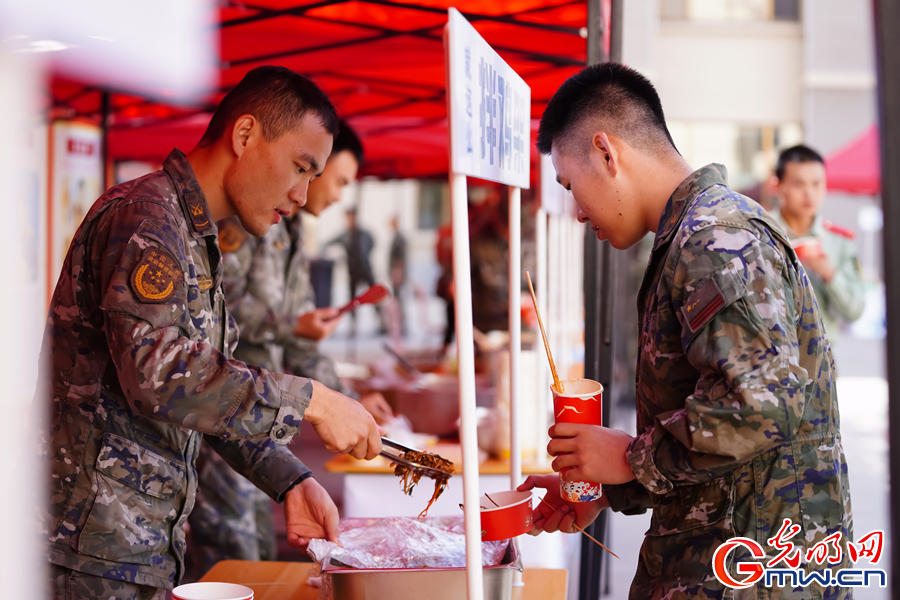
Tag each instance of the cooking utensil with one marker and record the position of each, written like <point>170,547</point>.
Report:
<point>377,294</point>
<point>405,364</point>
<point>556,382</point>
<point>427,471</point>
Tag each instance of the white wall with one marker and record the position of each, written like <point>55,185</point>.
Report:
<point>741,72</point>
<point>839,71</point>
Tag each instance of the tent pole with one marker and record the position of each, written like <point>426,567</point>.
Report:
<point>465,352</point>
<point>600,274</point>
<point>887,27</point>
<point>515,343</point>
<point>104,132</point>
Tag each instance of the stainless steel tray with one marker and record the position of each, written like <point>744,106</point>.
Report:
<point>424,584</point>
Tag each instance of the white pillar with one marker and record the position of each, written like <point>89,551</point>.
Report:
<point>543,370</point>
<point>24,304</point>
<point>465,352</point>
<point>515,334</point>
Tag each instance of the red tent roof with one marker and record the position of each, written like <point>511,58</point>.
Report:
<point>856,168</point>
<point>380,61</point>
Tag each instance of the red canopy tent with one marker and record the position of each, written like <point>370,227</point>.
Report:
<point>856,168</point>
<point>380,61</point>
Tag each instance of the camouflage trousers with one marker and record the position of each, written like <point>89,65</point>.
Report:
<point>231,520</point>
<point>66,584</point>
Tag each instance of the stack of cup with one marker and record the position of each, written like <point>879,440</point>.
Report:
<point>580,402</point>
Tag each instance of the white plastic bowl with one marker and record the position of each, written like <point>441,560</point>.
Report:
<point>212,590</point>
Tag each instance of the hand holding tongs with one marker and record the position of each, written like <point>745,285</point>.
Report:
<point>427,471</point>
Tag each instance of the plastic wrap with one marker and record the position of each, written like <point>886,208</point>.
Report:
<point>402,543</point>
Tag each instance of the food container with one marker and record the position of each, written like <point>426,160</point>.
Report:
<point>431,402</point>
<point>425,584</point>
<point>212,590</point>
<point>512,518</point>
<point>580,402</point>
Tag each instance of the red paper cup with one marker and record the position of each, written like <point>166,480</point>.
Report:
<point>580,402</point>
<point>807,247</point>
<point>512,518</point>
<point>212,590</point>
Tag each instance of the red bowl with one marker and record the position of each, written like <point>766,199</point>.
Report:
<point>512,518</point>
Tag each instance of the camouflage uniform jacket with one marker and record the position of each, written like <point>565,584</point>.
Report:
<point>137,366</point>
<point>267,286</point>
<point>842,298</point>
<point>737,415</point>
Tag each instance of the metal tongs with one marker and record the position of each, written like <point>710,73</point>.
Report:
<point>427,471</point>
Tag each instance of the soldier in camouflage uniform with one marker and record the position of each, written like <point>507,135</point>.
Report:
<point>137,358</point>
<point>269,293</point>
<point>833,267</point>
<point>737,416</point>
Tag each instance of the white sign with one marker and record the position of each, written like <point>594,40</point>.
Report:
<point>490,109</point>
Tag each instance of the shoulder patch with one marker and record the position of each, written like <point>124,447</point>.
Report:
<point>156,277</point>
<point>702,305</point>
<point>231,236</point>
<point>199,212</point>
<point>204,282</point>
<point>837,229</point>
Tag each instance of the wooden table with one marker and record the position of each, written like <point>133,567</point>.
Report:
<point>287,580</point>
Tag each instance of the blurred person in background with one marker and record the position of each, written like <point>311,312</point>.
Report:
<point>489,256</point>
<point>270,295</point>
<point>445,289</point>
<point>357,244</point>
<point>138,361</point>
<point>397,273</point>
<point>827,251</point>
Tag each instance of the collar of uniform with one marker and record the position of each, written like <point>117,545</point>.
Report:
<point>191,197</point>
<point>690,188</point>
<point>816,229</point>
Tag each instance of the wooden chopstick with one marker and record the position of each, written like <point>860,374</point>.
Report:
<point>575,525</point>
<point>556,382</point>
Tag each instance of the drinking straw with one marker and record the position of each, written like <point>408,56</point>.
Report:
<point>556,382</point>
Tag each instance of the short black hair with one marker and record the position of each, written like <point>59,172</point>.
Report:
<point>278,97</point>
<point>623,100</point>
<point>796,154</point>
<point>346,139</point>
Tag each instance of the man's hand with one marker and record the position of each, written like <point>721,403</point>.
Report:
<point>556,514</point>
<point>590,453</point>
<point>313,325</point>
<point>342,423</point>
<point>820,265</point>
<point>310,513</point>
<point>377,406</point>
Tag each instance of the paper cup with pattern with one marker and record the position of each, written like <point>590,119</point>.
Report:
<point>580,402</point>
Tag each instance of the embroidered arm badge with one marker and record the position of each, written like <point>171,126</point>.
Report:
<point>156,277</point>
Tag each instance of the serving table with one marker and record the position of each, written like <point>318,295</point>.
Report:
<point>271,580</point>
<point>372,490</point>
